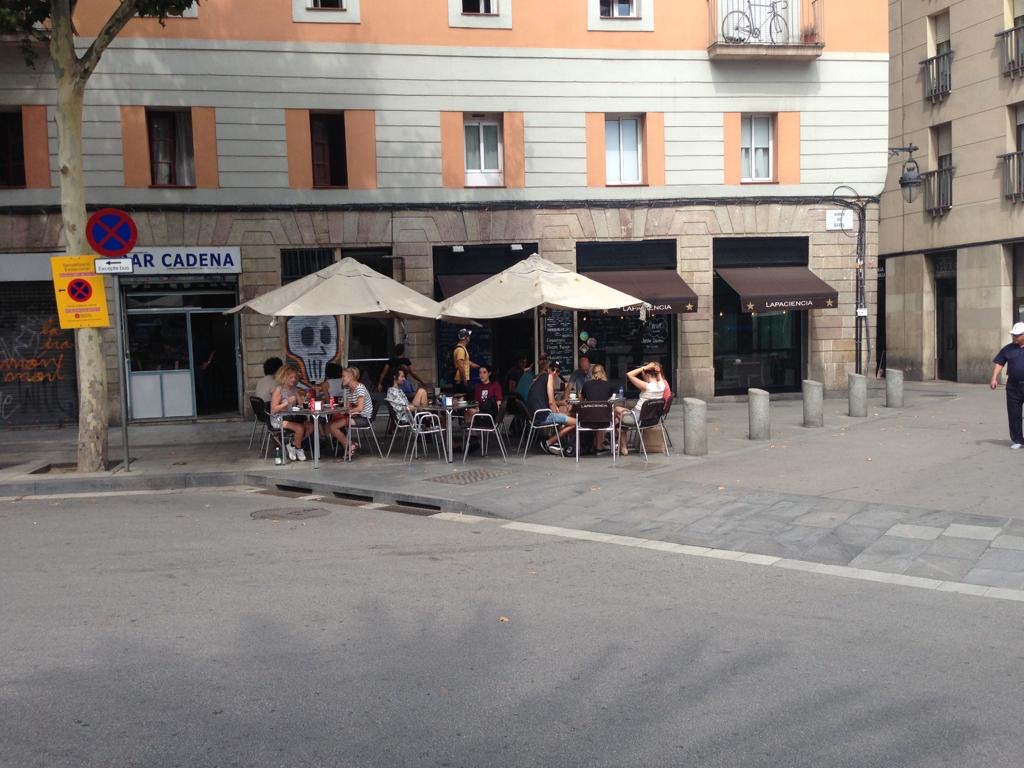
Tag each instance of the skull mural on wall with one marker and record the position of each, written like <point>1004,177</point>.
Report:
<point>313,343</point>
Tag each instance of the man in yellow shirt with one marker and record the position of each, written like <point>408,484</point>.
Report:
<point>463,364</point>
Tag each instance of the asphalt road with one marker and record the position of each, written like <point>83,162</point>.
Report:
<point>175,630</point>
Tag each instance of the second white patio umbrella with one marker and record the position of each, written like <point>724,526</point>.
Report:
<point>535,282</point>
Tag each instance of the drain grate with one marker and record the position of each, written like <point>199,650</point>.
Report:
<point>289,514</point>
<point>469,476</point>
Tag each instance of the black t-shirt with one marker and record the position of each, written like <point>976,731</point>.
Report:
<point>597,390</point>
<point>538,396</point>
<point>1012,357</point>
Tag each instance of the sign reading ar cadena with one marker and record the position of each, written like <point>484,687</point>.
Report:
<point>186,259</point>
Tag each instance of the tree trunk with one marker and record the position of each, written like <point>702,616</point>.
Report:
<point>92,368</point>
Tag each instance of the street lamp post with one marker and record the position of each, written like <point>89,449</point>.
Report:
<point>862,334</point>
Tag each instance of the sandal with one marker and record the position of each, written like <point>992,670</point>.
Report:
<point>352,450</point>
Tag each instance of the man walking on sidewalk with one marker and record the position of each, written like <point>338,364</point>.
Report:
<point>1012,357</point>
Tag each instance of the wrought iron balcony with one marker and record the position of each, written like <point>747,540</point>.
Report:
<point>1011,51</point>
<point>744,29</point>
<point>938,191</point>
<point>1013,176</point>
<point>938,76</point>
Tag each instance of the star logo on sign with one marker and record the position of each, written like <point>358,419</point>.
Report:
<point>750,306</point>
<point>828,302</point>
<point>689,307</point>
<point>543,311</point>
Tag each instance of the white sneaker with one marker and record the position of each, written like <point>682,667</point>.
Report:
<point>291,453</point>
<point>301,454</point>
<point>1016,446</point>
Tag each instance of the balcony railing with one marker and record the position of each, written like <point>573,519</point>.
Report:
<point>938,191</point>
<point>1013,176</point>
<point>938,76</point>
<point>749,29</point>
<point>1011,51</point>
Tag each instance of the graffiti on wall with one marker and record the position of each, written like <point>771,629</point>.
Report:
<point>313,342</point>
<point>37,371</point>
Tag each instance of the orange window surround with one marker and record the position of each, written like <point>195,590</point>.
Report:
<point>786,147</point>
<point>453,151</point>
<point>513,138</point>
<point>595,150</point>
<point>36,147</point>
<point>204,142</point>
<point>135,146</point>
<point>654,149</point>
<point>300,148</point>
<point>361,148</point>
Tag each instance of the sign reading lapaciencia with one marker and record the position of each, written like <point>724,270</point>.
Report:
<point>186,259</point>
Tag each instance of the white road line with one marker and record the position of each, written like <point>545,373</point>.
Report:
<point>752,558</point>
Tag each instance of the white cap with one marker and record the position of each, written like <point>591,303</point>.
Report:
<point>1017,330</point>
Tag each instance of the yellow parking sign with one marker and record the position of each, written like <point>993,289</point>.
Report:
<point>81,299</point>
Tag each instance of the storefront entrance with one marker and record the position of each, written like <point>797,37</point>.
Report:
<point>183,353</point>
<point>762,291</point>
<point>763,350</point>
<point>944,269</point>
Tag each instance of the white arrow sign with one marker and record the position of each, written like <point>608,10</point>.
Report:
<point>114,267</point>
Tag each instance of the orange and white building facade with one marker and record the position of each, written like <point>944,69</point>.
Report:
<point>442,139</point>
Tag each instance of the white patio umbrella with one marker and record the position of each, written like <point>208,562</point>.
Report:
<point>344,288</point>
<point>535,282</point>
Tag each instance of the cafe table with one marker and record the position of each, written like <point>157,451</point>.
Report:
<point>457,407</point>
<point>323,413</point>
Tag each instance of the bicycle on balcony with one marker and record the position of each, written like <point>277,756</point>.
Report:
<point>739,27</point>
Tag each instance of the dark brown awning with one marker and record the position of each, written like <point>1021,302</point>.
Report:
<point>453,284</point>
<point>770,289</point>
<point>663,289</point>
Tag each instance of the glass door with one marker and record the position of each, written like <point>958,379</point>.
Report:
<point>159,361</point>
<point>762,350</point>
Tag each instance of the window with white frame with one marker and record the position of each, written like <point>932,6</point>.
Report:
<point>326,11</point>
<point>620,9</point>
<point>485,7</point>
<point>623,142</point>
<point>620,15</point>
<point>484,165</point>
<point>756,155</point>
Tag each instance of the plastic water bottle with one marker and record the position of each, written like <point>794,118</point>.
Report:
<point>622,393</point>
<point>278,458</point>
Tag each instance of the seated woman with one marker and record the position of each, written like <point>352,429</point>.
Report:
<point>597,387</point>
<point>487,394</point>
<point>358,405</point>
<point>285,396</point>
<point>399,401</point>
<point>652,387</point>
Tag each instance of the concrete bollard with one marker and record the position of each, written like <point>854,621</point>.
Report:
<point>695,427</point>
<point>858,394</point>
<point>893,388</point>
<point>814,407</point>
<point>760,416</point>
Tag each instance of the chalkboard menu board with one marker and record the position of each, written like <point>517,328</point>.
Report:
<point>558,338</point>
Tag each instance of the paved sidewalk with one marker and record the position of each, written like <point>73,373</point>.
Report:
<point>920,491</point>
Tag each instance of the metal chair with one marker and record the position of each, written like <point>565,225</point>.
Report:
<point>399,426</point>
<point>359,424</point>
<point>537,425</point>
<point>596,416</point>
<point>257,405</point>
<point>650,416</point>
<point>424,425</point>
<point>664,414</point>
<point>485,432</point>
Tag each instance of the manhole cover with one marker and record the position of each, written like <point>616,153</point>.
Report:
<point>289,514</point>
<point>468,476</point>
